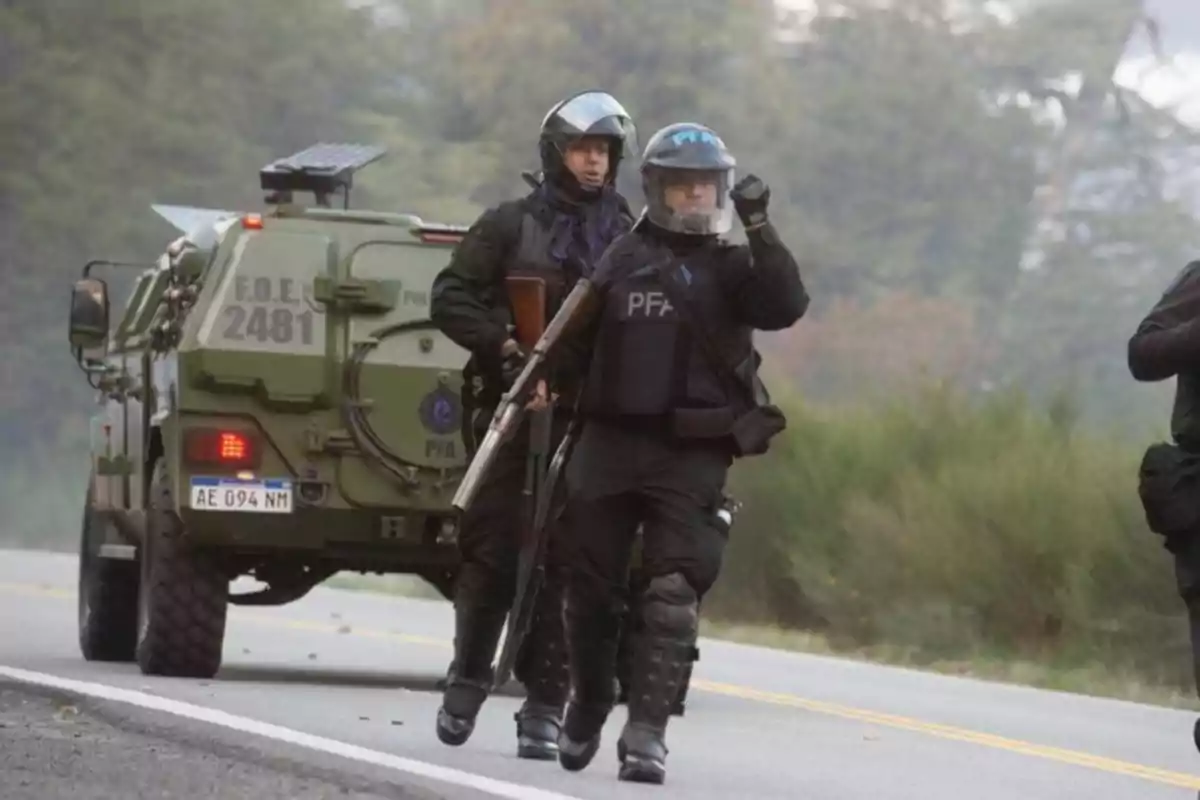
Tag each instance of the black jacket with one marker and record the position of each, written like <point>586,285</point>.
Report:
<point>757,287</point>
<point>469,301</point>
<point>1167,345</point>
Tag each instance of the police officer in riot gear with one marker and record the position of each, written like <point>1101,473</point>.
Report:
<point>556,232</point>
<point>1167,345</point>
<point>663,423</point>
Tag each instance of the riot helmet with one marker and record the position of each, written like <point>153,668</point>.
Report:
<point>687,174</point>
<point>589,113</point>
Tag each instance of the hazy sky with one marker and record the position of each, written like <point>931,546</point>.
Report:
<point>1179,22</point>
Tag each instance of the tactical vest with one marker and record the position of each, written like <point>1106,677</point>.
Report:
<point>646,368</point>
<point>528,257</point>
<point>531,258</point>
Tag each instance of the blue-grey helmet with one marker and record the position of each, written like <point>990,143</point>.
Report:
<point>688,154</point>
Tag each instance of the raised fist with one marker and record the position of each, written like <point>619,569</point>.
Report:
<point>750,197</point>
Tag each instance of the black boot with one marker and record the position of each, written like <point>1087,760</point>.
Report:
<point>443,681</point>
<point>538,728</point>
<point>478,626</point>
<point>663,649</point>
<point>592,645</point>
<point>631,620</point>
<point>544,672</point>
<point>625,656</point>
<point>685,682</point>
<point>624,669</point>
<point>659,666</point>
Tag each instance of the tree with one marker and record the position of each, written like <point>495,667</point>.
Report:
<point>106,108</point>
<point>489,72</point>
<point>1113,218</point>
<point>896,165</point>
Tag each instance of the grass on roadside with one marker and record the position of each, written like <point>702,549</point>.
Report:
<point>1095,679</point>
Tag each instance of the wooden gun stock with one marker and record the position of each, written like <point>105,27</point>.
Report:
<point>511,409</point>
<point>527,297</point>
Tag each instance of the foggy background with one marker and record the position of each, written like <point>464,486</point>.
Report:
<point>994,194</point>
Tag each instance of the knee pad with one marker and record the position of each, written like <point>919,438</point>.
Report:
<point>670,607</point>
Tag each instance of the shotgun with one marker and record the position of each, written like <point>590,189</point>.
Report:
<point>510,411</point>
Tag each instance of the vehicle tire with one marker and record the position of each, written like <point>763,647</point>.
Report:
<point>107,596</point>
<point>184,598</point>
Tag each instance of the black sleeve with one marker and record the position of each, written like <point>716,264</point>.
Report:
<point>1156,354</point>
<point>1167,342</point>
<point>466,294</point>
<point>762,281</point>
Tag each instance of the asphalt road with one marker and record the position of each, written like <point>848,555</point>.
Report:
<point>333,696</point>
<point>55,746</point>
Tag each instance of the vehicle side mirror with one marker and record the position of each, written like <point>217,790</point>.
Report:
<point>89,314</point>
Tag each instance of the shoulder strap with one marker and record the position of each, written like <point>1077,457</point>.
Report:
<point>666,270</point>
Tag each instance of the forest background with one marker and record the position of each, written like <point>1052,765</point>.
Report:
<point>993,196</point>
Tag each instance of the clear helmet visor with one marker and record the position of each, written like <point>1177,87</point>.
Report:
<point>594,114</point>
<point>689,201</point>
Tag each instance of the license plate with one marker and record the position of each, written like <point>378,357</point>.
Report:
<point>235,494</point>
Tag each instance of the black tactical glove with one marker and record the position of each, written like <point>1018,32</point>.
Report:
<point>750,197</point>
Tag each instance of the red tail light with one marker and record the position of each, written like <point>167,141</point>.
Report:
<point>217,447</point>
<point>233,447</point>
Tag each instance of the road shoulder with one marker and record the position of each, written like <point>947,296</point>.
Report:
<point>61,745</point>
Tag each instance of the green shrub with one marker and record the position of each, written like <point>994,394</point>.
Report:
<point>952,529</point>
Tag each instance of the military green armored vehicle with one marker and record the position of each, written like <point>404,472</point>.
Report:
<point>273,402</point>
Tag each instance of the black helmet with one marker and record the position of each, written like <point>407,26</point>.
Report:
<point>671,154</point>
<point>590,113</point>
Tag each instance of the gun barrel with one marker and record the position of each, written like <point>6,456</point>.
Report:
<point>512,404</point>
<point>566,316</point>
<point>469,486</point>
<point>482,462</point>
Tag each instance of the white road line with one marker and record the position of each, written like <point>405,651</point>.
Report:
<point>497,788</point>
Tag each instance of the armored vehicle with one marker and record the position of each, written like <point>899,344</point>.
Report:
<point>273,403</point>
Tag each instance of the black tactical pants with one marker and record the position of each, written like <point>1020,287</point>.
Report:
<point>616,481</point>
<point>489,542</point>
<point>1187,578</point>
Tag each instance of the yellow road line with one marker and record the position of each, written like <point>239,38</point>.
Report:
<point>1057,754</point>
<point>37,590</point>
<point>343,629</point>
